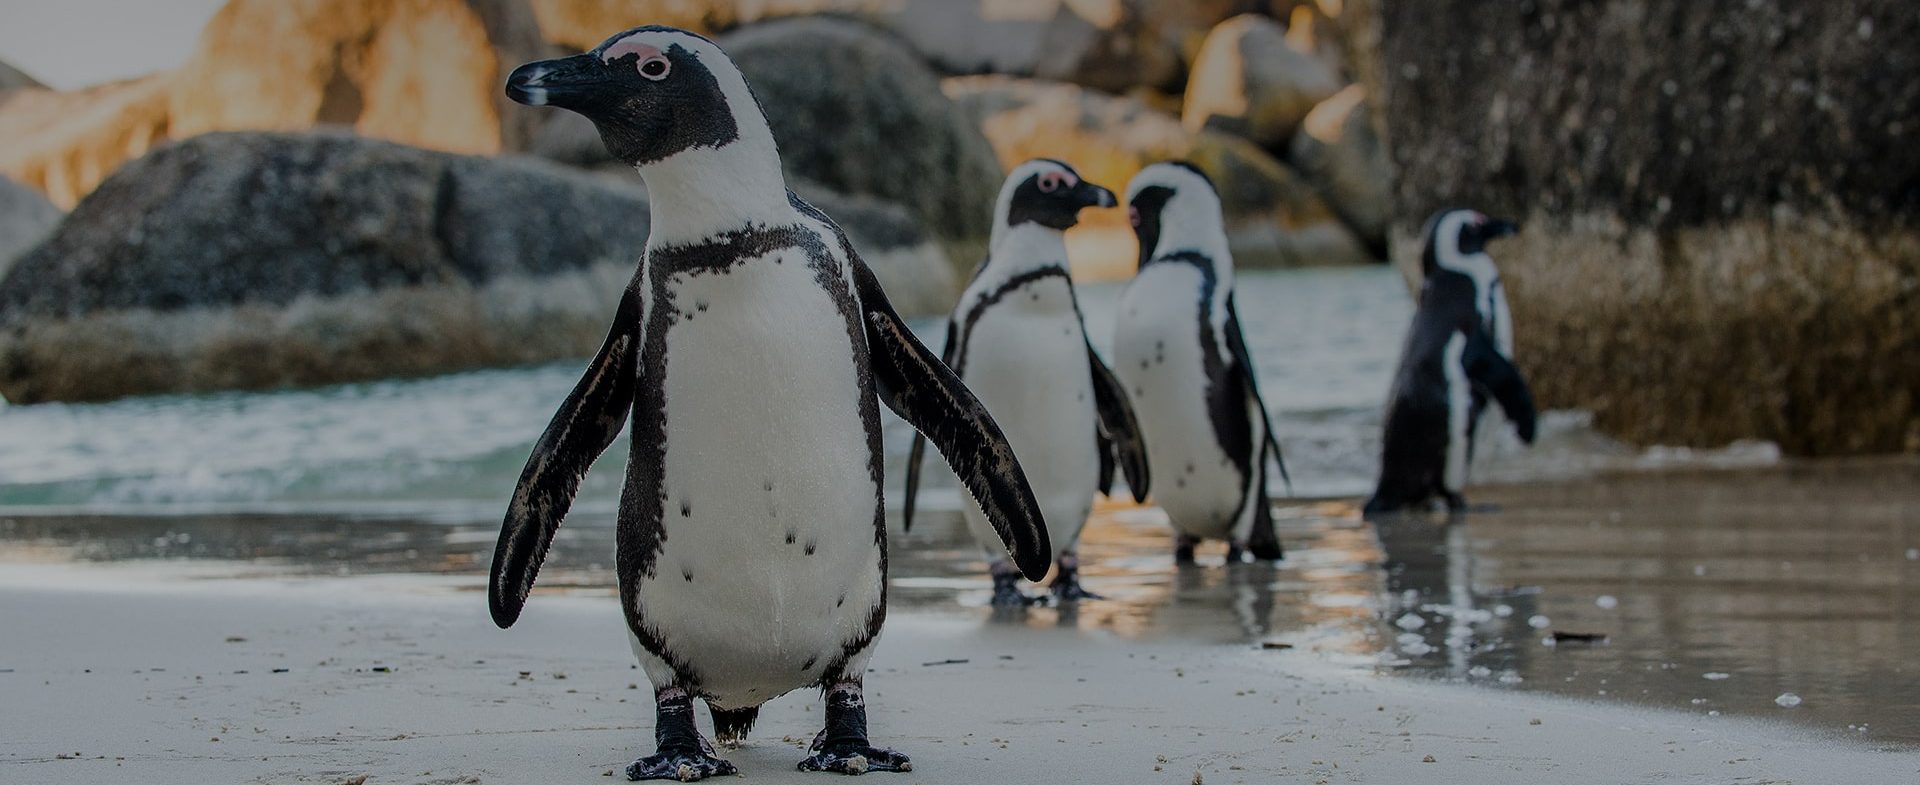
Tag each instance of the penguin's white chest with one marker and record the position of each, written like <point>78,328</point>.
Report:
<point>1160,357</point>
<point>768,560</point>
<point>1026,360</point>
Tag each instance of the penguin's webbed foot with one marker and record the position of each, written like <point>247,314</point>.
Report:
<point>1072,591</point>
<point>1006,588</point>
<point>1183,546</point>
<point>681,765</point>
<point>1008,596</point>
<point>854,758</point>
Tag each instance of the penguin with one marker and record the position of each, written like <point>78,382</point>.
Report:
<point>748,356</point>
<point>1453,358</point>
<point>1017,339</point>
<point>1182,358</point>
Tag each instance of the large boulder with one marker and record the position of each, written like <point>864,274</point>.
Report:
<point>421,72</point>
<point>1249,80</point>
<point>63,143</point>
<point>1721,202</point>
<point>1339,151</point>
<point>1274,218</point>
<point>248,260</point>
<point>855,111</point>
<point>26,218</point>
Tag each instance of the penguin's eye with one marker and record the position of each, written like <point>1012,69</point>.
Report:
<point>655,68</point>
<point>1050,182</point>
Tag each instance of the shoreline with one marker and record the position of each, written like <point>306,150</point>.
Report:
<point>135,668</point>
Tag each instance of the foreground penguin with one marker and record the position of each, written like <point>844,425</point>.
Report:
<point>1452,363</point>
<point>1016,338</point>
<point>749,351</point>
<point>1180,354</point>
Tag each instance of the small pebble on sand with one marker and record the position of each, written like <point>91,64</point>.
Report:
<point>1787,700</point>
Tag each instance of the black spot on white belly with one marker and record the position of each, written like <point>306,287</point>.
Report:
<point>686,509</point>
<point>839,602</point>
<point>791,536</point>
<point>687,574</point>
<point>811,546</point>
<point>700,306</point>
<point>808,665</point>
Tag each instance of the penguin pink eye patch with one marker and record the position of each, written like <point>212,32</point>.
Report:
<point>653,63</point>
<point>1054,181</point>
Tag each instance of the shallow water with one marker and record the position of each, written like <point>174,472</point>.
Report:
<point>1326,342</point>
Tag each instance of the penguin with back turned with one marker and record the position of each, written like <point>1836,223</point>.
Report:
<point>748,353</point>
<point>1453,363</point>
<point>1017,339</point>
<point>1182,358</point>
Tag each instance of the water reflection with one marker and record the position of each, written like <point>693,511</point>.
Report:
<point>1730,592</point>
<point>1709,592</point>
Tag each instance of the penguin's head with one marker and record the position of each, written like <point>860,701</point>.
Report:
<point>1047,193</point>
<point>1173,206</point>
<point>653,92</point>
<point>1457,241</point>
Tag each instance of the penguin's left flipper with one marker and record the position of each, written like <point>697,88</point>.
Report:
<point>1237,346</point>
<point>1487,367</point>
<point>926,393</point>
<point>580,431</point>
<point>918,452</point>
<point>1119,437</point>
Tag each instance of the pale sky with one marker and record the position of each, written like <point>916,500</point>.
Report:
<point>75,43</point>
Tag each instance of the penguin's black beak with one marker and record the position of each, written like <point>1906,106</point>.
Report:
<point>1090,195</point>
<point>567,82</point>
<point>1497,228</point>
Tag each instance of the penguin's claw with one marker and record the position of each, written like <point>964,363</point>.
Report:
<point>681,766</point>
<point>855,758</point>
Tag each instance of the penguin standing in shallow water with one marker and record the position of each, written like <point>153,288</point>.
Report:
<point>1016,338</point>
<point>749,351</point>
<point>1452,364</point>
<point>1181,357</point>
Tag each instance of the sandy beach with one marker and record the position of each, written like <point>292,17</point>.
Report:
<point>128,672</point>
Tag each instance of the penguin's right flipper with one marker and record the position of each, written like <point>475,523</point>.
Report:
<point>1263,541</point>
<point>919,450</point>
<point>585,425</point>
<point>1487,367</point>
<point>1119,436</point>
<point>1237,346</point>
<point>1106,462</point>
<point>927,394</point>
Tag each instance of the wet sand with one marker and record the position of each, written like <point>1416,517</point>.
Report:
<point>136,641</point>
<point>133,674</point>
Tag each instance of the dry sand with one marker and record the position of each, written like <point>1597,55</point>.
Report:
<point>163,674</point>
